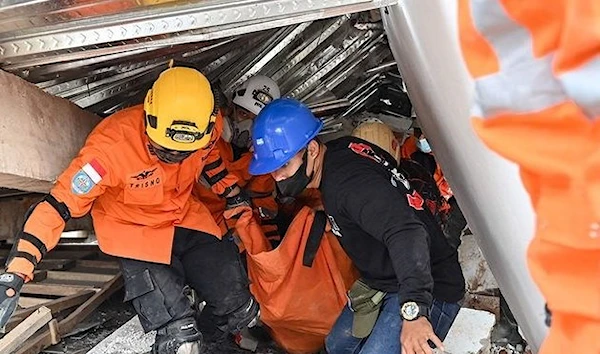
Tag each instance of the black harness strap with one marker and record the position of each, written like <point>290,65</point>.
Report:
<point>61,208</point>
<point>28,256</point>
<point>35,241</point>
<point>314,238</point>
<point>213,165</point>
<point>215,178</point>
<point>227,190</point>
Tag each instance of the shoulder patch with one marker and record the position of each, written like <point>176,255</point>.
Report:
<point>82,183</point>
<point>365,151</point>
<point>415,200</point>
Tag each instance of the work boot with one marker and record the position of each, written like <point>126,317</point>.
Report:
<point>179,337</point>
<point>245,316</point>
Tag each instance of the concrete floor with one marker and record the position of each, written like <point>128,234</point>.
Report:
<point>121,333</point>
<point>130,339</point>
<point>469,334</point>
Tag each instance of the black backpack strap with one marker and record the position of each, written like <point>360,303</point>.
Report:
<point>314,238</point>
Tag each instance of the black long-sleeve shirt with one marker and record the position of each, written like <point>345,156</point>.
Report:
<point>395,246</point>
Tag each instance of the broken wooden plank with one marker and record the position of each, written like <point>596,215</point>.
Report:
<point>62,254</point>
<point>44,340</point>
<point>107,271</point>
<point>51,264</point>
<point>54,332</point>
<point>55,306</point>
<point>51,289</point>
<point>90,263</point>
<point>56,264</point>
<point>26,302</point>
<point>108,267</point>
<point>73,254</point>
<point>87,277</point>
<point>25,329</point>
<point>91,304</point>
<point>39,275</point>
<point>79,284</point>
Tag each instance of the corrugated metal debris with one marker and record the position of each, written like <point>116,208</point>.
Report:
<point>103,55</point>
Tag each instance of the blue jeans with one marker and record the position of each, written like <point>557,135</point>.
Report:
<point>385,337</point>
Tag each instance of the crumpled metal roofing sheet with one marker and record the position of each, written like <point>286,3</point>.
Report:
<point>103,55</point>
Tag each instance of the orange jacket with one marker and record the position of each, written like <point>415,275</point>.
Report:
<point>260,188</point>
<point>536,66</point>
<point>135,200</point>
<point>442,183</point>
<point>409,148</point>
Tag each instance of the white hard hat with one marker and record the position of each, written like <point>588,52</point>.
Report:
<point>255,93</point>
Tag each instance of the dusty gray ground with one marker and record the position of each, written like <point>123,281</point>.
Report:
<point>471,330</point>
<point>113,314</point>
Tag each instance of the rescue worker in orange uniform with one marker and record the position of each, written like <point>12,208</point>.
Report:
<point>455,221</point>
<point>135,173</point>
<point>536,71</point>
<point>417,148</point>
<point>248,100</point>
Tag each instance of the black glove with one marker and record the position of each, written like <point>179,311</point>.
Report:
<point>240,199</point>
<point>10,286</point>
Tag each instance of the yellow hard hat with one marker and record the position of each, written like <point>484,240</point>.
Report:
<point>180,110</point>
<point>378,133</point>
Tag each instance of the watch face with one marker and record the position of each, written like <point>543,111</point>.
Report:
<point>410,310</point>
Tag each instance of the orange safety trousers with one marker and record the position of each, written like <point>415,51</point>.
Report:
<point>536,69</point>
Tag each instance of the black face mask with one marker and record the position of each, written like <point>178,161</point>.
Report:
<point>294,185</point>
<point>168,156</point>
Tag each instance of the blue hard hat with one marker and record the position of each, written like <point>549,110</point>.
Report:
<point>281,129</point>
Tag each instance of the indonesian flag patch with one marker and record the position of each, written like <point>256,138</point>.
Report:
<point>86,178</point>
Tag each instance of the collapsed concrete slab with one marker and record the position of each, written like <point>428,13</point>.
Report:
<point>39,134</point>
<point>470,332</point>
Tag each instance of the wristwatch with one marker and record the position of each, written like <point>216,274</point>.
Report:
<point>410,311</point>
